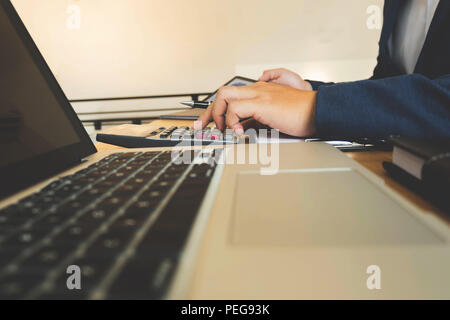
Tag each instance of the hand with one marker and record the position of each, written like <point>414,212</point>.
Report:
<point>289,110</point>
<point>286,78</point>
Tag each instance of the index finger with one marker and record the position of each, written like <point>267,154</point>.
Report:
<point>224,96</point>
<point>204,118</point>
<point>269,75</point>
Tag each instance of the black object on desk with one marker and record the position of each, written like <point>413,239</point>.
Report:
<point>361,144</point>
<point>178,117</point>
<point>197,104</point>
<point>423,165</point>
<point>189,114</point>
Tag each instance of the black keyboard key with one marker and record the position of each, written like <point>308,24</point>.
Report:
<point>144,277</point>
<point>8,254</point>
<point>128,155</point>
<point>127,190</point>
<point>71,207</point>
<point>50,221</point>
<point>109,244</point>
<point>94,218</point>
<point>26,238</point>
<point>73,236</point>
<point>167,132</point>
<point>127,224</point>
<point>137,181</point>
<point>142,208</point>
<point>60,291</point>
<point>94,265</point>
<point>15,286</point>
<point>13,220</point>
<point>45,258</point>
<point>53,185</point>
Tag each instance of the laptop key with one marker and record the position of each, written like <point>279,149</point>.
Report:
<point>26,238</point>
<point>15,286</point>
<point>144,277</point>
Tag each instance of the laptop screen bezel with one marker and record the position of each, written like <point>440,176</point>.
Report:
<point>25,173</point>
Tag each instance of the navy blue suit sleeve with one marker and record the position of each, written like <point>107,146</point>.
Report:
<point>409,105</point>
<point>316,84</point>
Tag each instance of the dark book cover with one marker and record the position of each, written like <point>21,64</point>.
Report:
<point>424,148</point>
<point>435,182</point>
<point>436,194</point>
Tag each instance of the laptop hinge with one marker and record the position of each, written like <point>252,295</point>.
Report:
<point>83,160</point>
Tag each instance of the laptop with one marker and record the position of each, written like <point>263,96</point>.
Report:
<point>304,221</point>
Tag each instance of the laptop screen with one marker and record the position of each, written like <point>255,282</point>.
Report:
<point>38,127</point>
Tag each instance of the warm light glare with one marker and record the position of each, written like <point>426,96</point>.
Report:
<point>74,18</point>
<point>104,48</point>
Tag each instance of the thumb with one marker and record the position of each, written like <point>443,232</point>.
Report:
<point>270,75</point>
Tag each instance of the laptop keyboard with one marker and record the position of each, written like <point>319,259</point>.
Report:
<point>123,221</point>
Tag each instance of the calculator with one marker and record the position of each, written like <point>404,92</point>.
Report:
<point>209,135</point>
<point>174,136</point>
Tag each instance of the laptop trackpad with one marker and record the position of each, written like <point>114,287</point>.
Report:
<point>331,208</point>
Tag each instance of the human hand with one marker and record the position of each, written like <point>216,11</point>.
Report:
<point>286,78</point>
<point>287,109</point>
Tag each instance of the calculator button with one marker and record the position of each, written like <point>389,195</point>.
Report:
<point>199,135</point>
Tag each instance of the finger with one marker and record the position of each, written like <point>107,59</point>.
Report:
<point>249,123</point>
<point>270,75</point>
<point>204,118</point>
<point>253,124</point>
<point>218,111</point>
<point>277,81</point>
<point>224,96</point>
<point>240,109</point>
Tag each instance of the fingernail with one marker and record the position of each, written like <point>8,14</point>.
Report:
<point>198,125</point>
<point>239,131</point>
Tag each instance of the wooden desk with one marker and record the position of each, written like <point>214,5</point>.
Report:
<point>372,160</point>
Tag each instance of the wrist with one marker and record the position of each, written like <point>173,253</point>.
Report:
<point>307,114</point>
<point>312,113</point>
<point>308,86</point>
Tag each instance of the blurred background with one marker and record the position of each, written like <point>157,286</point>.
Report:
<point>116,48</point>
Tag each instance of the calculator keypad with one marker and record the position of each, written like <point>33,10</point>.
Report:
<point>210,134</point>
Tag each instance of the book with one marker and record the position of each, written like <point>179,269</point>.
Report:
<point>424,166</point>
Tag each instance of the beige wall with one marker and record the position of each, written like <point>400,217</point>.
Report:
<point>140,47</point>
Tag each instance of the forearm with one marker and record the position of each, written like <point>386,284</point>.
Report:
<point>411,105</point>
<point>317,84</point>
